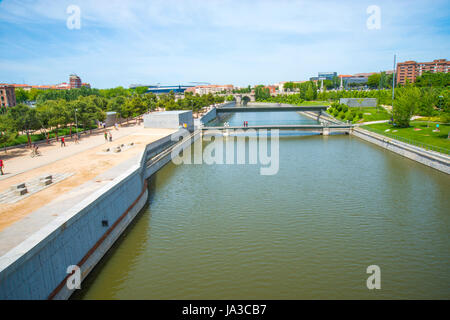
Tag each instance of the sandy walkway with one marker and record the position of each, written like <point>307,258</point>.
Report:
<point>86,160</point>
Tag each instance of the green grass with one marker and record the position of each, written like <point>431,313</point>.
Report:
<point>314,103</point>
<point>22,139</point>
<point>375,113</point>
<point>425,137</point>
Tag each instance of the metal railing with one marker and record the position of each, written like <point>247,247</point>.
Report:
<point>416,143</point>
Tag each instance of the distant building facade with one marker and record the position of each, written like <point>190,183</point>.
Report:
<point>212,88</point>
<point>7,96</point>
<point>157,89</point>
<point>281,84</point>
<point>324,76</point>
<point>410,70</point>
<point>75,81</point>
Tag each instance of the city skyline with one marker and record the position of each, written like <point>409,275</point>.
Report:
<point>231,42</point>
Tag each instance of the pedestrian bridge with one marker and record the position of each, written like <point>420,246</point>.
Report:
<point>272,109</point>
<point>323,129</point>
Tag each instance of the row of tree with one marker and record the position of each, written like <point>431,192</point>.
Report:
<point>65,111</point>
<point>306,91</point>
<point>409,100</point>
<point>73,94</point>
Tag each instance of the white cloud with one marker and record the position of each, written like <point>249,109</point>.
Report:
<point>217,41</point>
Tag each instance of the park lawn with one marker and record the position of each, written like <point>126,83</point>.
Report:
<point>375,113</point>
<point>425,135</point>
<point>314,103</point>
<point>22,139</point>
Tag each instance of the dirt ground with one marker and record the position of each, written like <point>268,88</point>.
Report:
<point>86,160</point>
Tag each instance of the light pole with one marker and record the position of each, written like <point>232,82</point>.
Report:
<point>393,86</point>
<point>76,122</point>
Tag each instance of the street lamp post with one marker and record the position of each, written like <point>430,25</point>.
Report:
<point>393,87</point>
<point>76,122</point>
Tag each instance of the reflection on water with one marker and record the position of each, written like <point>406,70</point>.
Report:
<point>336,206</point>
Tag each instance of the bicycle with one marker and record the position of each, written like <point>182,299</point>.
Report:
<point>34,153</point>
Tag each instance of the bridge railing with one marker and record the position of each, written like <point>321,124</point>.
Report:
<point>266,122</point>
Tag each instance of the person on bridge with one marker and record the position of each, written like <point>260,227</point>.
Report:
<point>1,166</point>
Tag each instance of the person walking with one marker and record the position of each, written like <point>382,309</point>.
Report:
<point>63,142</point>
<point>1,166</point>
<point>106,136</point>
<point>110,137</point>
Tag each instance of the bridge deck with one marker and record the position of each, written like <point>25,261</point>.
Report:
<point>271,109</point>
<point>283,126</point>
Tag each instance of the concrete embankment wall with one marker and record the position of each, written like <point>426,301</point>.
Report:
<point>37,268</point>
<point>212,114</point>
<point>432,159</point>
<point>209,116</point>
<point>428,158</point>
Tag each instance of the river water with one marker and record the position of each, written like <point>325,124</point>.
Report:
<point>336,206</point>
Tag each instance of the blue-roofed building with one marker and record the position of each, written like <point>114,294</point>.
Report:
<point>163,89</point>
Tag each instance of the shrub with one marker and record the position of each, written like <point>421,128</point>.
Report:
<point>330,110</point>
<point>344,108</point>
<point>349,116</point>
<point>341,115</point>
<point>360,115</point>
<point>445,117</point>
<point>339,107</point>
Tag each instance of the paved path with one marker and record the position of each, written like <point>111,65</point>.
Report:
<point>372,122</point>
<point>18,160</point>
<point>84,165</point>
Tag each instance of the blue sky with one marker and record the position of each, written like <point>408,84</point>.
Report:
<point>239,42</point>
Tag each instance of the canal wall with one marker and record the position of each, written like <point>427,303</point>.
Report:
<point>209,116</point>
<point>38,267</point>
<point>212,113</point>
<point>429,158</point>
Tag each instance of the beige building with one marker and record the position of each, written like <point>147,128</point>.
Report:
<point>410,70</point>
<point>212,88</point>
<point>7,96</point>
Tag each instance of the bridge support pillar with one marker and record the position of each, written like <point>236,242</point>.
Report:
<point>325,131</point>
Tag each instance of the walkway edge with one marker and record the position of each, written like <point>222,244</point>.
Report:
<point>432,159</point>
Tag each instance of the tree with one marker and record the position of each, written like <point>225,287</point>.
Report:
<point>405,105</point>
<point>21,95</point>
<point>87,112</point>
<point>23,118</point>
<point>431,79</point>
<point>310,93</point>
<point>136,106</point>
<point>150,100</point>
<point>262,93</point>
<point>7,132</point>
<point>57,113</point>
<point>373,81</point>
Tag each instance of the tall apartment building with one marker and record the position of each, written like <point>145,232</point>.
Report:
<point>7,96</point>
<point>75,81</point>
<point>411,70</point>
